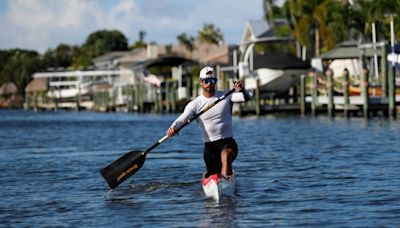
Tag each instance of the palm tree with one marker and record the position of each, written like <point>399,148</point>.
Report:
<point>290,10</point>
<point>314,15</point>
<point>269,12</point>
<point>272,12</point>
<point>139,43</point>
<point>368,12</point>
<point>346,22</point>
<point>332,21</point>
<point>142,34</point>
<point>187,41</point>
<point>365,13</point>
<point>210,35</point>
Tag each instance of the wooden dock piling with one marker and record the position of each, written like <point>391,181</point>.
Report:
<point>364,89</point>
<point>392,91</point>
<point>346,86</point>
<point>303,94</point>
<point>331,105</point>
<point>314,78</point>
<point>173,97</point>
<point>384,75</point>
<point>257,97</point>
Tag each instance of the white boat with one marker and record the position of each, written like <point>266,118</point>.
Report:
<point>67,92</point>
<point>215,186</point>
<point>276,72</point>
<point>274,80</point>
<point>265,57</point>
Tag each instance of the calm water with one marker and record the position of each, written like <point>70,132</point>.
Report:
<point>291,171</point>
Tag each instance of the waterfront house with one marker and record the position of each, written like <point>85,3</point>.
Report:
<point>129,80</point>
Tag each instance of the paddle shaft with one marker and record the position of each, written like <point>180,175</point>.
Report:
<point>163,139</point>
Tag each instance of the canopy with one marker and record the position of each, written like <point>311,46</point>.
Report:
<point>37,84</point>
<point>283,61</point>
<point>8,88</point>
<point>168,61</point>
<point>347,50</point>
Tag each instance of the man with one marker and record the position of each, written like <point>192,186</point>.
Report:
<point>220,149</point>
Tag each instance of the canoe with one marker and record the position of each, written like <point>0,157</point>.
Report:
<point>215,186</point>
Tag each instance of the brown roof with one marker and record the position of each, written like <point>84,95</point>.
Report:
<point>37,84</point>
<point>203,53</point>
<point>218,57</point>
<point>111,56</point>
<point>134,56</point>
<point>8,88</point>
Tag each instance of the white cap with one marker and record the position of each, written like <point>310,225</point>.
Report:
<point>207,72</point>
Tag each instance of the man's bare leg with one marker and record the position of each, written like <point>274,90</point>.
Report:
<point>227,155</point>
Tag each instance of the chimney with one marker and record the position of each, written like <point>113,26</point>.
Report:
<point>152,51</point>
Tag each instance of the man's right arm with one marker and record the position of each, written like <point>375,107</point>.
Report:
<point>185,116</point>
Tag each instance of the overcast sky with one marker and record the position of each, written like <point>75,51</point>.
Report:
<point>43,24</point>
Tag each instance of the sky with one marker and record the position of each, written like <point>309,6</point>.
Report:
<point>42,24</point>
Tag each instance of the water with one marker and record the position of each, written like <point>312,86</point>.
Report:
<point>291,171</point>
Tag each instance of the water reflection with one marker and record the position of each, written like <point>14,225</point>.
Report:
<point>221,214</point>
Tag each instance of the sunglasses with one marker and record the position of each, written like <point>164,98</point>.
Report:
<point>209,80</point>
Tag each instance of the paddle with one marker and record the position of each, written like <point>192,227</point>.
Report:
<point>128,164</point>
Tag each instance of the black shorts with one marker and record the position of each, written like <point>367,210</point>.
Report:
<point>212,154</point>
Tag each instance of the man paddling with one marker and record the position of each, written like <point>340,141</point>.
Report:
<point>220,149</point>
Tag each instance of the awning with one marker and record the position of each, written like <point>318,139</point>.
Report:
<point>8,88</point>
<point>283,61</point>
<point>347,50</point>
<point>168,61</point>
<point>36,85</point>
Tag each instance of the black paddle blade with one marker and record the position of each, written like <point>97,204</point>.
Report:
<point>122,168</point>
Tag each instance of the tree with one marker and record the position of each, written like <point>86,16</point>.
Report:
<point>19,67</point>
<point>83,58</point>
<point>272,11</point>
<point>103,41</point>
<point>268,11</point>
<point>314,16</point>
<point>210,35</point>
<point>368,12</point>
<point>96,44</point>
<point>139,43</point>
<point>342,22</point>
<point>48,58</point>
<point>168,49</point>
<point>62,56</point>
<point>187,41</point>
<point>333,21</point>
<point>4,56</point>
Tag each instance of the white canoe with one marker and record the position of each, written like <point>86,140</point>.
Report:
<point>215,186</point>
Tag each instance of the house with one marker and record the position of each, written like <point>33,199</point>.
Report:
<point>122,80</point>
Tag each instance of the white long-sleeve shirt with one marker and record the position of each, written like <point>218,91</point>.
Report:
<point>216,123</point>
